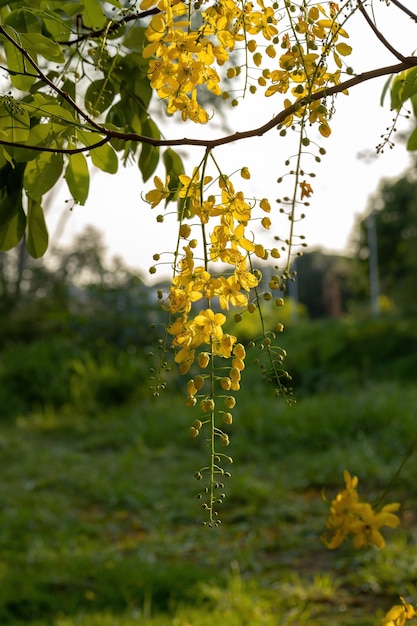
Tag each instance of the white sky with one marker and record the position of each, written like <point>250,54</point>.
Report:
<point>342,186</point>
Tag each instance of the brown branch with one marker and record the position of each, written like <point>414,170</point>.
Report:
<point>405,9</point>
<point>379,35</point>
<point>275,121</point>
<point>15,144</point>
<point>114,26</point>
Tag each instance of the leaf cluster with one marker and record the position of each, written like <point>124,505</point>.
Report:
<point>70,64</point>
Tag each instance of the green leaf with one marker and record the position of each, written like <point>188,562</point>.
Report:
<point>174,167</point>
<point>149,155</point>
<point>414,104</point>
<point>385,90</point>
<point>409,86</point>
<point>12,221</point>
<point>58,28</point>
<point>14,121</point>
<point>93,15</point>
<point>43,105</point>
<point>105,158</point>
<point>23,20</point>
<point>135,39</point>
<point>36,43</point>
<point>403,87</point>
<point>148,160</point>
<point>20,69</point>
<point>99,96</point>
<point>412,141</point>
<point>78,177</point>
<point>42,173</point>
<point>37,233</point>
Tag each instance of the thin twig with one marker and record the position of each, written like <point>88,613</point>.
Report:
<point>49,82</point>
<point>15,144</point>
<point>405,9</point>
<point>113,27</point>
<point>379,35</point>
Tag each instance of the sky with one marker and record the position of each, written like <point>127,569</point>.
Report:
<point>343,185</point>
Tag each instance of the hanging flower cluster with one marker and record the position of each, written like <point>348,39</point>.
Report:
<point>351,516</point>
<point>199,297</point>
<point>188,41</point>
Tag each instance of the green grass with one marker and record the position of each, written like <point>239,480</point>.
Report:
<point>100,524</point>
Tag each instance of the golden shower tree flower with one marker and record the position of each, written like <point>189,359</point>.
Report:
<point>399,614</point>
<point>349,515</point>
<point>161,192</point>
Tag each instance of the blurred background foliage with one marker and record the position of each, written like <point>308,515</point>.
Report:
<point>76,328</point>
<point>97,524</point>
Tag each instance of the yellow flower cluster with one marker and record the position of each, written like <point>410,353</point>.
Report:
<point>197,297</point>
<point>204,328</point>
<point>399,614</point>
<point>351,516</point>
<point>303,67</point>
<point>191,283</point>
<point>186,42</point>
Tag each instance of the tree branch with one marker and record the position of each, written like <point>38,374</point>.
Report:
<point>109,29</point>
<point>275,121</point>
<point>379,35</point>
<point>14,144</point>
<point>405,10</point>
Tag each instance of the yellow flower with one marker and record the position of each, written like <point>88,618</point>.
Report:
<point>366,526</point>
<point>229,293</point>
<point>224,345</point>
<point>349,515</point>
<point>160,192</point>
<point>209,325</point>
<point>399,614</point>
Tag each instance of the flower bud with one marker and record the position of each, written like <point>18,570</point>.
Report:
<point>225,383</point>
<point>185,231</point>
<point>207,405</point>
<point>203,359</point>
<point>191,388</point>
<point>191,401</point>
<point>198,382</point>
<point>234,374</point>
<point>230,402</point>
<point>239,351</point>
<point>238,363</point>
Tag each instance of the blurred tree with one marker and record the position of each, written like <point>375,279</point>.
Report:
<point>323,283</point>
<point>395,211</point>
<point>78,290</point>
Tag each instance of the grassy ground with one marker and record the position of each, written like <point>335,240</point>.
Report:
<point>100,525</point>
